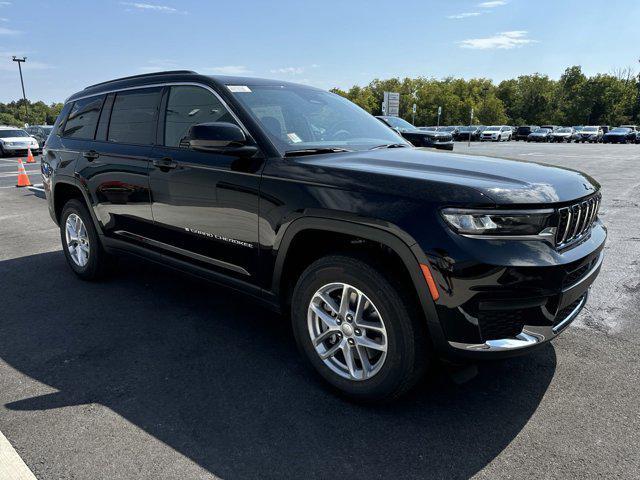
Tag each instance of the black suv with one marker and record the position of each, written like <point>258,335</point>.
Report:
<point>384,256</point>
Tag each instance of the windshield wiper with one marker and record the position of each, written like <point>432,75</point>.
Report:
<point>314,151</point>
<point>390,145</point>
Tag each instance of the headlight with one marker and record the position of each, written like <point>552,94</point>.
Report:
<point>493,222</point>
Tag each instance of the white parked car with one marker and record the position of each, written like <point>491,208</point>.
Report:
<point>15,141</point>
<point>496,133</point>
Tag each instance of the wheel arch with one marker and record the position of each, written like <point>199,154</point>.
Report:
<point>66,189</point>
<point>397,241</point>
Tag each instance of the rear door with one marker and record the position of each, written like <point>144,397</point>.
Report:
<point>115,166</point>
<point>205,205</point>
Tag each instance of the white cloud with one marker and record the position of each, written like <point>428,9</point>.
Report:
<point>464,15</point>
<point>4,19</point>
<point>493,4</point>
<point>150,7</point>
<point>8,31</point>
<point>503,41</point>
<point>228,70</point>
<point>5,4</point>
<point>288,70</point>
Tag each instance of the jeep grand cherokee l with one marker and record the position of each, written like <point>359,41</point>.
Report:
<point>384,256</point>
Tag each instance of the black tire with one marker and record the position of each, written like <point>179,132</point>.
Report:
<point>1,152</point>
<point>98,260</point>
<point>407,342</point>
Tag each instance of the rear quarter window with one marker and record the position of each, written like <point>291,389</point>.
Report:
<point>83,118</point>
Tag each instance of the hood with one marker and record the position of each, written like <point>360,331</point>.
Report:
<point>499,180</point>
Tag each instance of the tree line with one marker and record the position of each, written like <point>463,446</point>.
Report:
<point>39,113</point>
<point>574,99</point>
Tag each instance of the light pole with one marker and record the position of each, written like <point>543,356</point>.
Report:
<point>24,95</point>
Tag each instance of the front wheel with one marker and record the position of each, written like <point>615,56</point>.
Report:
<point>361,332</point>
<point>80,242</point>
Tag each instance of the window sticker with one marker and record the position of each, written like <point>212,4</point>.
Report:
<point>239,88</point>
<point>294,138</point>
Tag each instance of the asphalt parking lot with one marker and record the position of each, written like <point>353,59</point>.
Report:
<point>152,374</point>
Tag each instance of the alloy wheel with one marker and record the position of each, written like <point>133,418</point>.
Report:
<point>347,331</point>
<point>77,240</point>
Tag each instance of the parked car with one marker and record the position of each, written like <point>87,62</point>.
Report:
<point>523,131</point>
<point>383,257</point>
<point>591,134</point>
<point>39,132</point>
<point>638,137</point>
<point>15,141</point>
<point>419,138</point>
<point>563,134</point>
<point>451,130</point>
<point>541,134</point>
<point>496,133</point>
<point>470,133</point>
<point>635,128</point>
<point>620,135</point>
<point>576,133</point>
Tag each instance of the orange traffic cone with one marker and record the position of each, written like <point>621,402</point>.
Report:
<point>30,158</point>
<point>23,178</point>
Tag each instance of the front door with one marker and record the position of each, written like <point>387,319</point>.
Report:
<point>205,205</point>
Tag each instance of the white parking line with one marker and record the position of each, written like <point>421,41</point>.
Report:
<point>12,467</point>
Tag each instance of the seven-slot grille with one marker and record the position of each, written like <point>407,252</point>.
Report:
<point>576,220</point>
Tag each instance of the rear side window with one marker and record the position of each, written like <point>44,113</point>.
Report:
<point>133,116</point>
<point>188,106</point>
<point>83,118</point>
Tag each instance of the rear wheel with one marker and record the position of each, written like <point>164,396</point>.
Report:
<point>359,331</point>
<point>80,242</point>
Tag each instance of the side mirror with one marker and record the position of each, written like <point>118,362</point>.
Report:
<point>220,137</point>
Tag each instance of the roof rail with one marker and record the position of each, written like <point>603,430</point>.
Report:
<point>143,75</point>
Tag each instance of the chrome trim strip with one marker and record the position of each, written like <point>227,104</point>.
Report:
<point>545,235</point>
<point>181,251</point>
<point>574,313</point>
<point>575,229</point>
<point>588,274</point>
<point>566,229</point>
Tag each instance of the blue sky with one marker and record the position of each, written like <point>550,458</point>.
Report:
<point>326,43</point>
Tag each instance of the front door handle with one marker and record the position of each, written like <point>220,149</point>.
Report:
<point>91,155</point>
<point>165,163</point>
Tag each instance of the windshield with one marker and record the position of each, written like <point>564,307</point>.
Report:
<point>46,130</point>
<point>446,129</point>
<point>13,133</point>
<point>298,118</point>
<point>578,129</point>
<point>564,130</point>
<point>542,130</point>
<point>399,123</point>
<point>468,129</point>
<point>621,130</point>
<point>492,129</point>
<point>590,129</point>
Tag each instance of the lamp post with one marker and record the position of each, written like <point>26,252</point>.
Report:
<point>24,95</point>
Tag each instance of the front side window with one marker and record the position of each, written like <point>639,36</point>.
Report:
<point>297,117</point>
<point>83,118</point>
<point>188,106</point>
<point>133,116</point>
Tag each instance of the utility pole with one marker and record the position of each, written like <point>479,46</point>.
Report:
<point>24,95</point>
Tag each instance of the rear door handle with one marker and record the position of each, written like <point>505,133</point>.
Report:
<point>91,155</point>
<point>165,163</point>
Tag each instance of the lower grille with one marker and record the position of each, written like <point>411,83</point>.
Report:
<point>497,324</point>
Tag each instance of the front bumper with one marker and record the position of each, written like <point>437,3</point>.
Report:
<point>502,298</point>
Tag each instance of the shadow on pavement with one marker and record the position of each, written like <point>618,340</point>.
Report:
<point>219,380</point>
